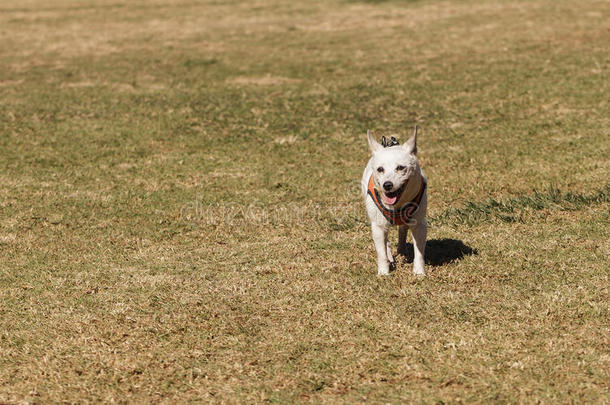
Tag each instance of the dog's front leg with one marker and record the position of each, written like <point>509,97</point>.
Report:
<point>389,250</point>
<point>419,232</point>
<point>380,237</point>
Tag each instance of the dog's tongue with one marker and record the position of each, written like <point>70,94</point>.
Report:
<point>389,200</point>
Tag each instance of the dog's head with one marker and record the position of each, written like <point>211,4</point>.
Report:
<point>393,166</point>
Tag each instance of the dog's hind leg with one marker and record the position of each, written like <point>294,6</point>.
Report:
<point>402,240</point>
<point>419,246</point>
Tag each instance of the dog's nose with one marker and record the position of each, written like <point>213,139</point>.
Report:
<point>387,186</point>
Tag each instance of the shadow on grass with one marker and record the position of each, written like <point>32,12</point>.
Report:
<point>442,251</point>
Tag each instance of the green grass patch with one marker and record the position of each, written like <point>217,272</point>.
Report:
<point>516,209</point>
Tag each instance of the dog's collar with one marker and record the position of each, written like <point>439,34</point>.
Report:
<point>405,213</point>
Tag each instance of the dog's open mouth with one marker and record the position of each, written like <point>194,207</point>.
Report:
<point>391,198</point>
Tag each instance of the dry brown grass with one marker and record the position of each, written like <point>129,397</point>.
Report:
<point>180,220</point>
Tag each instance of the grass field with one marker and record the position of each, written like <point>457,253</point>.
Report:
<point>180,220</point>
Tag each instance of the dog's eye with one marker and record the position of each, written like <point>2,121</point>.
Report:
<point>380,169</point>
<point>399,168</point>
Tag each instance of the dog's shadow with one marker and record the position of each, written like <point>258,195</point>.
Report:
<point>441,251</point>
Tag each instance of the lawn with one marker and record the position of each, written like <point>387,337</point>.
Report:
<point>180,218</point>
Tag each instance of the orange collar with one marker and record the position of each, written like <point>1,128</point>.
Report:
<point>404,214</point>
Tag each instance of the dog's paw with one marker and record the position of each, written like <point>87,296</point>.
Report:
<point>383,271</point>
<point>402,250</point>
<point>419,271</point>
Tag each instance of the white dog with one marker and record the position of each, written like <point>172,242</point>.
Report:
<point>394,190</point>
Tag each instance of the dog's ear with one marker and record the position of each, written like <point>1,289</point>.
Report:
<point>373,144</point>
<point>411,144</point>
